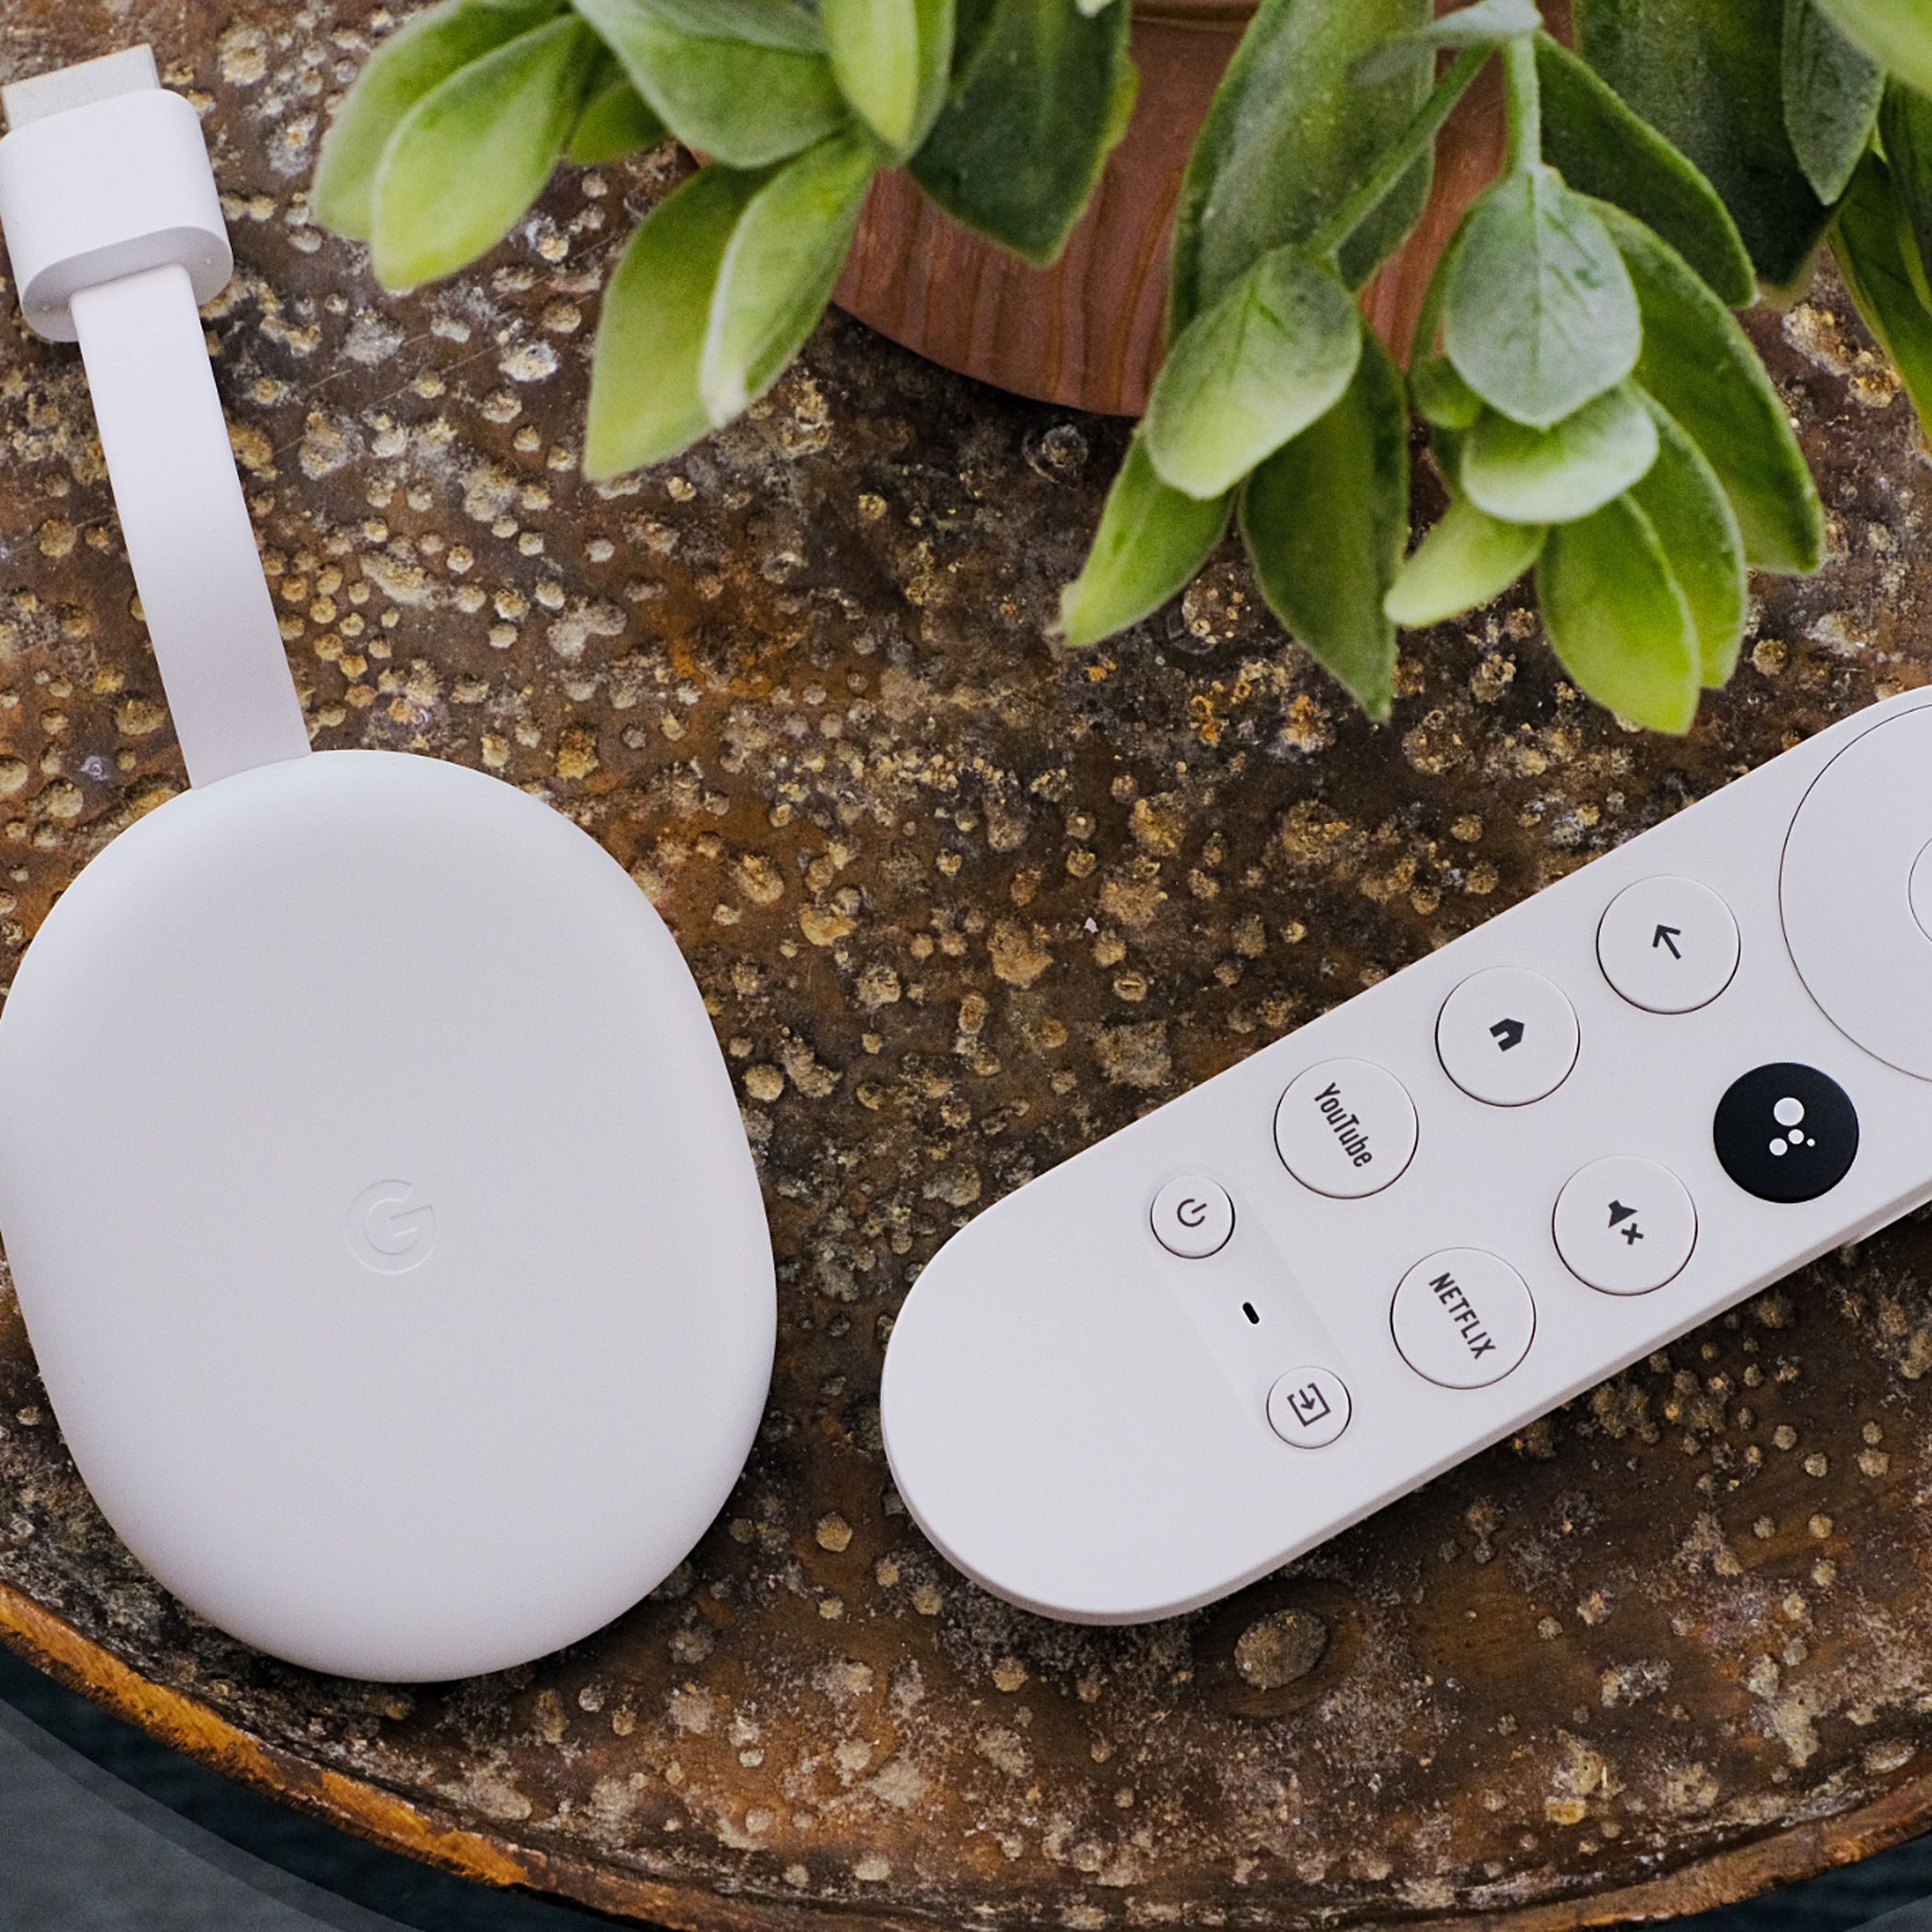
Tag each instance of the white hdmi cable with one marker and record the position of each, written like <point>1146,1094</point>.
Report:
<point>115,234</point>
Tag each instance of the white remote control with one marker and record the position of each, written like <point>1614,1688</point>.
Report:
<point>1252,1318</point>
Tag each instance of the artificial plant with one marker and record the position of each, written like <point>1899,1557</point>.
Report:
<point>1596,411</point>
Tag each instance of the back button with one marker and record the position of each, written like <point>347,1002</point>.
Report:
<point>1668,944</point>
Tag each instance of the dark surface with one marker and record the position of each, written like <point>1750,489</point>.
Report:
<point>102,1826</point>
<point>958,907</point>
<point>77,1836</point>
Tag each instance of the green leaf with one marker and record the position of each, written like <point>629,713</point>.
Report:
<point>616,121</point>
<point>780,268</point>
<point>1905,127</point>
<point>1467,559</point>
<point>473,154</point>
<point>1289,135</point>
<point>1152,539</point>
<point>1699,364</point>
<point>1538,314</point>
<point>1274,352</point>
<point>1618,618</point>
<point>645,402</point>
<point>1869,242</point>
<point>1556,475</point>
<point>422,54</point>
<point>1442,397</point>
<point>892,58</point>
<point>1601,148</point>
<point>1483,23</point>
<point>1040,97</point>
<point>1831,95</point>
<point>746,83</point>
<point>1697,528</point>
<point>1709,75</point>
<point>774,23</point>
<point>1325,520</point>
<point>1896,33</point>
<point>1446,446</point>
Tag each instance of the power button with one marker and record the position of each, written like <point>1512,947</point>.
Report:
<point>1193,1217</point>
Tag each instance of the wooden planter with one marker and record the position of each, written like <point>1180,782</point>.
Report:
<point>1087,331</point>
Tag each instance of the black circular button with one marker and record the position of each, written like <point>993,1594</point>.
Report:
<point>1786,1133</point>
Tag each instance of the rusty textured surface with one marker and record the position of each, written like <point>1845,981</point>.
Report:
<point>959,908</point>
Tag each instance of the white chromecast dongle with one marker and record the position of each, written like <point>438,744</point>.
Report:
<point>371,1180</point>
